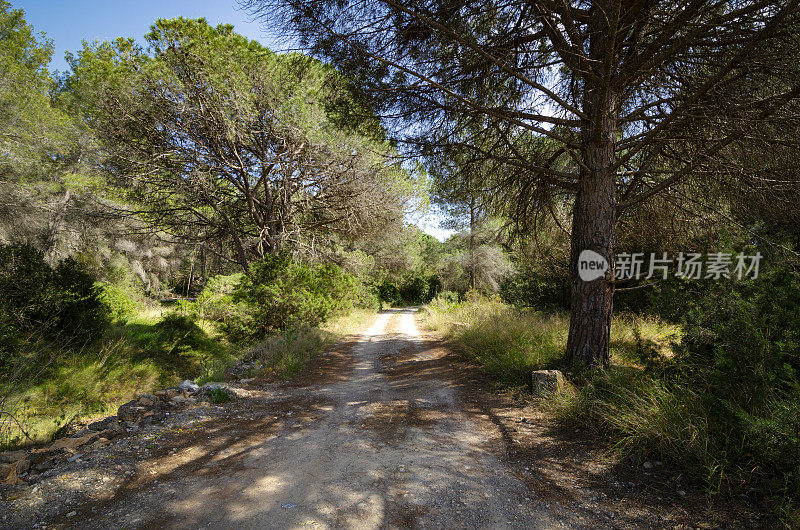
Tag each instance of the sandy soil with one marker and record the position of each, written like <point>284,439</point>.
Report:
<point>388,430</point>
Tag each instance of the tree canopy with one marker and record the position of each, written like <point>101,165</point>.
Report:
<point>221,138</point>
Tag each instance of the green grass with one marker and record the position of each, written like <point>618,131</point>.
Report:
<point>285,354</point>
<point>153,349</point>
<point>143,353</point>
<point>509,342</point>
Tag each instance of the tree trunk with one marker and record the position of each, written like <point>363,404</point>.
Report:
<point>53,227</point>
<point>472,242</point>
<point>592,229</point>
<point>593,216</point>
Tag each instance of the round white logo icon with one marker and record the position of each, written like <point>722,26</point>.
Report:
<point>591,265</point>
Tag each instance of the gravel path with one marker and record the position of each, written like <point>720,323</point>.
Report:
<point>388,431</point>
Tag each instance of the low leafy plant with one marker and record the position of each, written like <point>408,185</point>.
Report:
<point>219,395</point>
<point>280,292</point>
<point>119,303</point>
<point>59,303</point>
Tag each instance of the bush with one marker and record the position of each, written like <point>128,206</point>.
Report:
<point>533,288</point>
<point>726,406</point>
<point>61,303</point>
<point>215,301</point>
<point>119,303</point>
<point>742,347</point>
<point>280,292</point>
<point>388,291</point>
<point>413,288</point>
<point>219,395</point>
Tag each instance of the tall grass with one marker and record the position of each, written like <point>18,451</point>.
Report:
<point>506,342</point>
<point>286,353</point>
<point>509,342</point>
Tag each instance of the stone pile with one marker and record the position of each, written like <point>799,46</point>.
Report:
<point>145,409</point>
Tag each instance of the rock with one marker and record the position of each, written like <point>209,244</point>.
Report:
<point>547,381</point>
<point>99,443</point>
<point>9,457</point>
<point>129,411</point>
<point>239,370</point>
<point>189,386</point>
<point>648,465</point>
<point>177,400</point>
<point>160,393</point>
<point>23,466</point>
<point>146,402</point>
<point>105,424</point>
<point>41,462</point>
<point>5,470</point>
<point>74,457</point>
<point>73,513</point>
<point>150,419</point>
<point>81,433</point>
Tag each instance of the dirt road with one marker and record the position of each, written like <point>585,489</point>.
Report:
<point>386,431</point>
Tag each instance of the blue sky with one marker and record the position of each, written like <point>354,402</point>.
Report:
<point>70,22</point>
<point>67,23</point>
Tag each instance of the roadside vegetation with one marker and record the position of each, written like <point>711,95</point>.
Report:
<point>707,382</point>
<point>113,346</point>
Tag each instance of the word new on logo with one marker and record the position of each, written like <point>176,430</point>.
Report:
<point>591,265</point>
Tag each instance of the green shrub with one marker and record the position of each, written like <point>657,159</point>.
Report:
<point>388,291</point>
<point>726,406</point>
<point>742,347</point>
<point>219,395</point>
<point>448,296</point>
<point>119,303</point>
<point>413,288</point>
<point>61,303</point>
<point>215,301</point>
<point>533,288</point>
<point>280,292</point>
<point>366,296</point>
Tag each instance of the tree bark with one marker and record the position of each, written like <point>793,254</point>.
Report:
<point>593,216</point>
<point>472,241</point>
<point>592,229</point>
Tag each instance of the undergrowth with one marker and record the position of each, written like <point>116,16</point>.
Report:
<point>509,342</point>
<point>54,385</point>
<point>717,395</point>
<point>286,353</point>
